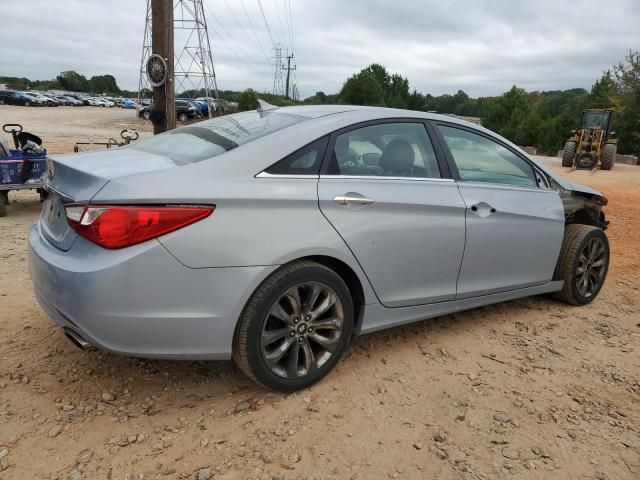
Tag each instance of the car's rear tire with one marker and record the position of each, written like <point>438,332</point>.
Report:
<point>287,344</point>
<point>608,156</point>
<point>183,117</point>
<point>27,104</point>
<point>146,115</point>
<point>568,153</point>
<point>583,264</point>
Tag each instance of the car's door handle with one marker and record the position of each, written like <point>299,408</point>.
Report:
<point>482,209</point>
<point>352,200</point>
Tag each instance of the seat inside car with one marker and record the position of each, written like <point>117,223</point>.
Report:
<point>397,159</point>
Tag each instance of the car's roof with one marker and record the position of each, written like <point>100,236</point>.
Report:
<point>317,111</point>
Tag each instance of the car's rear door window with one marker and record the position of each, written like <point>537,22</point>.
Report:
<point>480,159</point>
<point>305,161</point>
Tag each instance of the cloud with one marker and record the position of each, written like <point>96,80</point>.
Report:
<point>482,46</point>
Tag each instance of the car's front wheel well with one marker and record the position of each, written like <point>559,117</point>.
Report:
<point>585,216</point>
<point>350,278</point>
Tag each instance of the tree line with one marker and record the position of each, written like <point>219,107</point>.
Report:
<point>540,119</point>
<point>70,81</point>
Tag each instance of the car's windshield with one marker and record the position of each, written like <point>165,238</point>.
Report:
<point>213,137</point>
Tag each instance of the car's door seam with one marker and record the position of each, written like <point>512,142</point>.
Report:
<point>466,233</point>
<point>346,244</point>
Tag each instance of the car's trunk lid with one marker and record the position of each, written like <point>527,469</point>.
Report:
<point>77,178</point>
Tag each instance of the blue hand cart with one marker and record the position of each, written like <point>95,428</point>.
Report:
<point>19,169</point>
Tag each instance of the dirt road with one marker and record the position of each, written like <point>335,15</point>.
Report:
<point>530,389</point>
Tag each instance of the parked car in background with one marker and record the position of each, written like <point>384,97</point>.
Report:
<point>74,101</point>
<point>210,104</point>
<point>98,102</point>
<point>65,100</point>
<point>38,99</point>
<point>10,97</point>
<point>200,105</point>
<point>128,104</point>
<point>185,109</point>
<point>53,101</point>
<point>274,236</point>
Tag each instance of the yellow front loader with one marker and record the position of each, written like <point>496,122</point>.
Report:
<point>591,145</point>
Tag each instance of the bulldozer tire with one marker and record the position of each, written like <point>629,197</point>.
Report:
<point>608,156</point>
<point>568,154</point>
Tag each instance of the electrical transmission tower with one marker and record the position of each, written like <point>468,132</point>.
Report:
<point>194,74</point>
<point>278,85</point>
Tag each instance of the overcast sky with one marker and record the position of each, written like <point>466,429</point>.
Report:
<point>481,46</point>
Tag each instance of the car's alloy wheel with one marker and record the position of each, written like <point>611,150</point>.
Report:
<point>591,269</point>
<point>27,104</point>
<point>302,330</point>
<point>146,115</point>
<point>583,264</point>
<point>295,327</point>
<point>183,117</point>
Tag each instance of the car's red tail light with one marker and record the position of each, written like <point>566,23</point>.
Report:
<point>116,226</point>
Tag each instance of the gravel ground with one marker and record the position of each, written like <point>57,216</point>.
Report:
<point>530,389</point>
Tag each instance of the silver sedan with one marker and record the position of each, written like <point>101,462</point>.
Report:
<point>274,236</point>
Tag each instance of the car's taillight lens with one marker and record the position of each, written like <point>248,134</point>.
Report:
<point>114,226</point>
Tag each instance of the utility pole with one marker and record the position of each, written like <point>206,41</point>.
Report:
<point>162,44</point>
<point>289,68</point>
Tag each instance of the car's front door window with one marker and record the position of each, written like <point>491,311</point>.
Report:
<point>400,149</point>
<point>480,159</point>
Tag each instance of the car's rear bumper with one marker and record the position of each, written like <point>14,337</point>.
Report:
<point>141,301</point>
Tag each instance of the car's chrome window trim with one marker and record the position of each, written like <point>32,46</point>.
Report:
<point>285,175</point>
<point>381,177</point>
<point>506,186</point>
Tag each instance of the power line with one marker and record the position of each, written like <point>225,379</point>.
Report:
<point>234,41</point>
<point>253,29</point>
<point>254,43</point>
<point>231,49</point>
<point>284,34</point>
<point>289,17</point>
<point>266,24</point>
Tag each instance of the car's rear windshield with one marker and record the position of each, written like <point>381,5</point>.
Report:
<point>213,137</point>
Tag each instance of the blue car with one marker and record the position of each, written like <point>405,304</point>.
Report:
<point>129,104</point>
<point>201,105</point>
<point>10,97</point>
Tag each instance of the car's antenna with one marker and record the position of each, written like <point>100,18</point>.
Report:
<point>264,107</point>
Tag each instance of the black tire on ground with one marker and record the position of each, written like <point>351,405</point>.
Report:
<point>568,154</point>
<point>574,259</point>
<point>4,201</point>
<point>247,350</point>
<point>608,156</point>
<point>183,117</point>
<point>146,115</point>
